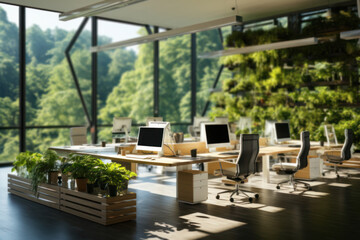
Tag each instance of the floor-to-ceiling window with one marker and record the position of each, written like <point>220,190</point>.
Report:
<point>52,100</point>
<point>9,82</point>
<point>125,78</point>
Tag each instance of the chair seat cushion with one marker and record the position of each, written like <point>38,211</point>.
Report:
<point>284,166</point>
<point>334,159</point>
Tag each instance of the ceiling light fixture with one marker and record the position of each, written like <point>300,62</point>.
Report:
<point>263,47</point>
<point>172,33</point>
<point>96,8</point>
<point>349,35</point>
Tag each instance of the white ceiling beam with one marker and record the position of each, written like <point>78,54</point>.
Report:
<point>263,47</point>
<point>172,33</point>
<point>97,8</point>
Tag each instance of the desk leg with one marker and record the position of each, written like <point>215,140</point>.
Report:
<point>180,168</point>
<point>266,168</point>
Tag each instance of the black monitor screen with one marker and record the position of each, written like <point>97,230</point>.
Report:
<point>282,130</point>
<point>217,133</point>
<point>149,136</point>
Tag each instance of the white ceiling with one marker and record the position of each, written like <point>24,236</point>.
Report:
<point>179,13</point>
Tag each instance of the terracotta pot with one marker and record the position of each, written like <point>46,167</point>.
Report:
<point>81,184</point>
<point>65,179</point>
<point>53,177</point>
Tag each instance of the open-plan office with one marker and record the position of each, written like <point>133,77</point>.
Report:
<point>164,119</point>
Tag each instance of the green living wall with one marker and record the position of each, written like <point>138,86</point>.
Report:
<point>309,85</point>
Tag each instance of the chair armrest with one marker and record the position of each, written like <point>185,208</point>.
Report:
<point>227,162</point>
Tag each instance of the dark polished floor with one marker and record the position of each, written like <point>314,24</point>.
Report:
<point>330,211</point>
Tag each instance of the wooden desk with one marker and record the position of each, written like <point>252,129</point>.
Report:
<point>181,162</point>
<point>265,153</point>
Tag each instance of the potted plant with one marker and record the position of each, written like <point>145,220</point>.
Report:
<point>320,135</point>
<point>93,177</point>
<point>81,168</point>
<point>116,177</point>
<point>25,162</point>
<point>44,169</point>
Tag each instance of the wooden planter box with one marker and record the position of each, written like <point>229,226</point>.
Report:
<point>98,209</point>
<point>48,195</point>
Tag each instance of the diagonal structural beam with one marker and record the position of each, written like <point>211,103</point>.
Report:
<point>213,87</point>
<point>72,69</point>
<point>217,76</point>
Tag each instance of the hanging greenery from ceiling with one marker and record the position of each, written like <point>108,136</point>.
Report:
<point>306,85</point>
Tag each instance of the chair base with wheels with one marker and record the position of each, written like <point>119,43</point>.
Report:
<point>293,182</point>
<point>336,160</point>
<point>288,169</point>
<point>238,191</point>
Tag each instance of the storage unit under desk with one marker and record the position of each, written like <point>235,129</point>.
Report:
<point>192,186</point>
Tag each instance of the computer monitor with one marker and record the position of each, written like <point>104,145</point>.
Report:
<point>282,131</point>
<point>221,120</point>
<point>151,138</point>
<point>121,125</point>
<point>216,135</point>
<point>153,119</point>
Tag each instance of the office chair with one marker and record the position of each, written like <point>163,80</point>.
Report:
<point>244,165</point>
<point>301,162</point>
<point>345,153</point>
<point>78,135</point>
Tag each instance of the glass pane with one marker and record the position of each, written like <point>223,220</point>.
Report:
<point>39,140</point>
<point>208,69</point>
<point>9,62</point>
<point>51,95</point>
<point>114,64</point>
<point>131,94</point>
<point>175,79</point>
<point>9,145</point>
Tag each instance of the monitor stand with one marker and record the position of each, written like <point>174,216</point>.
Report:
<point>212,149</point>
<point>160,153</point>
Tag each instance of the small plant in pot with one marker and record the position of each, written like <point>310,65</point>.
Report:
<point>25,162</point>
<point>44,168</point>
<point>116,177</point>
<point>80,167</point>
<point>93,177</point>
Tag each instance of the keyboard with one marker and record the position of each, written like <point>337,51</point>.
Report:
<point>294,145</point>
<point>229,153</point>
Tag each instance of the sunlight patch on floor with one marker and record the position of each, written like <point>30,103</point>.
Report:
<point>192,226</point>
<point>339,185</point>
<point>155,188</point>
<point>271,209</point>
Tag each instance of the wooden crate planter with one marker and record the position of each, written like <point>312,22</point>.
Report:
<point>48,195</point>
<point>105,211</point>
<point>102,210</point>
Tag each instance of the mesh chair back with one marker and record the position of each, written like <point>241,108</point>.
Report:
<point>301,159</point>
<point>346,149</point>
<point>249,150</point>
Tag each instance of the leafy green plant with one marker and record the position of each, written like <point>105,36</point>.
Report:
<point>48,162</point>
<point>25,162</point>
<point>297,84</point>
<point>116,175</point>
<point>83,166</point>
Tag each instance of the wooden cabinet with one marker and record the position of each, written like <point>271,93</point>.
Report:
<point>192,186</point>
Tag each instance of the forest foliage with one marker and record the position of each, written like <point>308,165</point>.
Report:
<point>125,83</point>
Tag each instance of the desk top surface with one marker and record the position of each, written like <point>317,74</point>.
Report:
<point>108,152</point>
